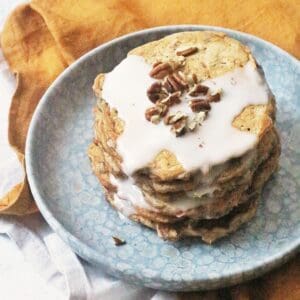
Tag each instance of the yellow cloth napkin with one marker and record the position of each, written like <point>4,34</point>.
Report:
<point>42,38</point>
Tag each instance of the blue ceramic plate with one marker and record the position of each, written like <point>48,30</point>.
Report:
<point>70,197</point>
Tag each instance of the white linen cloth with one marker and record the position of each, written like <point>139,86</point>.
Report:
<point>34,262</point>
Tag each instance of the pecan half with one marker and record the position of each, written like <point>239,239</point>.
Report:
<point>187,52</point>
<point>180,80</point>
<point>159,71</point>
<point>173,82</point>
<point>199,105</point>
<point>198,89</point>
<point>168,87</point>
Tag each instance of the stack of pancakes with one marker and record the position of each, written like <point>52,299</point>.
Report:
<point>190,203</point>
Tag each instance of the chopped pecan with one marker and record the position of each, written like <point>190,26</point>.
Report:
<point>214,97</point>
<point>194,77</point>
<point>153,91</point>
<point>155,113</point>
<point>159,71</point>
<point>174,117</point>
<point>197,119</point>
<point>172,99</point>
<point>179,127</point>
<point>199,105</point>
<point>118,242</point>
<point>187,52</point>
<point>192,125</point>
<point>198,89</point>
<point>200,117</point>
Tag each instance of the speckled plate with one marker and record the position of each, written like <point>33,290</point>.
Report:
<point>71,199</point>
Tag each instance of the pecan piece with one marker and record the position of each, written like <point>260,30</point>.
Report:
<point>173,118</point>
<point>179,127</point>
<point>215,97</point>
<point>155,113</point>
<point>192,125</point>
<point>153,91</point>
<point>159,71</point>
<point>187,52</point>
<point>197,120</point>
<point>199,105</point>
<point>118,242</point>
<point>194,77</point>
<point>200,117</point>
<point>198,89</point>
<point>172,99</point>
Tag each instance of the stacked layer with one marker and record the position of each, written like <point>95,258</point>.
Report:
<point>158,176</point>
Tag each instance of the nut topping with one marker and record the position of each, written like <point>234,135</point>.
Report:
<point>187,52</point>
<point>198,89</point>
<point>167,90</point>
<point>179,127</point>
<point>160,70</point>
<point>118,242</point>
<point>200,117</point>
<point>155,113</point>
<point>194,77</point>
<point>173,83</point>
<point>192,125</point>
<point>172,99</point>
<point>153,91</point>
<point>197,120</point>
<point>180,80</point>
<point>199,105</point>
<point>168,87</point>
<point>216,97</point>
<point>173,118</point>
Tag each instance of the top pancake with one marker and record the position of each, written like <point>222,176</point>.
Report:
<point>217,54</point>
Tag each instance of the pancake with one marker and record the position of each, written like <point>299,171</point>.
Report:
<point>161,179</point>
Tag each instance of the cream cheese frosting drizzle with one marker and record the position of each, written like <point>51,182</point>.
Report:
<point>129,197</point>
<point>125,89</point>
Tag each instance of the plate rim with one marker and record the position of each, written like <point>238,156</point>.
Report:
<point>88,252</point>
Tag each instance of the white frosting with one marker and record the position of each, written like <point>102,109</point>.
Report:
<point>129,196</point>
<point>125,89</point>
